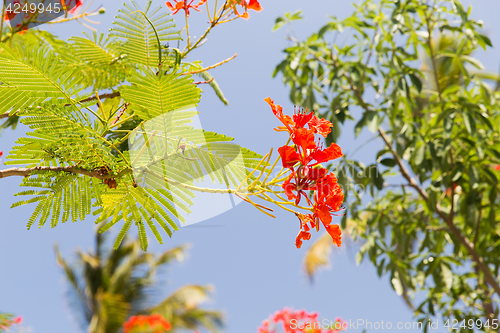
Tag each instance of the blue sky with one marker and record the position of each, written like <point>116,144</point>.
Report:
<point>248,257</point>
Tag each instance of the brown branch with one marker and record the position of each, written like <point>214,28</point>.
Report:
<point>94,98</point>
<point>5,115</point>
<point>210,67</point>
<point>120,114</point>
<point>448,219</point>
<point>469,246</point>
<point>203,82</point>
<point>26,172</point>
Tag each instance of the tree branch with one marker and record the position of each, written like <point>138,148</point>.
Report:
<point>469,246</point>
<point>210,67</point>
<point>26,172</point>
<point>103,96</point>
<point>433,57</point>
<point>483,267</point>
<point>91,98</point>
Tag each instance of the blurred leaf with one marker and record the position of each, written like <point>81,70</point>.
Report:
<point>317,256</point>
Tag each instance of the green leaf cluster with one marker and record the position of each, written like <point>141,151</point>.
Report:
<point>82,140</point>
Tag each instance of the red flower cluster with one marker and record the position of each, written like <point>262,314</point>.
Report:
<point>303,159</point>
<point>300,322</point>
<point>250,4</point>
<point>184,5</point>
<point>10,14</point>
<point>154,323</point>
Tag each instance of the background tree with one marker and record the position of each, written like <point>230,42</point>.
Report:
<point>409,76</point>
<point>107,287</point>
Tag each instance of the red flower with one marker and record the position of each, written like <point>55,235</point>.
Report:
<point>1,153</point>
<point>251,4</point>
<point>323,212</point>
<point>71,3</point>
<point>497,167</point>
<point>299,321</point>
<point>254,5</point>
<point>303,235</point>
<point>306,175</point>
<point>330,153</point>
<point>301,119</point>
<point>184,5</point>
<point>335,198</point>
<point>304,138</point>
<point>154,322</point>
<point>335,233</point>
<point>278,112</point>
<point>77,4</point>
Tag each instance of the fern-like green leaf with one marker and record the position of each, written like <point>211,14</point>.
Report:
<point>152,95</point>
<point>141,44</point>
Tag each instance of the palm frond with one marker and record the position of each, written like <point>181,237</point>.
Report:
<point>182,309</point>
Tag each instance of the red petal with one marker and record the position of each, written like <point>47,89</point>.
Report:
<point>255,5</point>
<point>324,214</point>
<point>289,188</point>
<point>333,151</point>
<point>169,5</point>
<point>289,156</point>
<point>328,154</point>
<point>304,138</point>
<point>335,233</point>
<point>335,199</point>
<point>320,126</point>
<point>200,3</point>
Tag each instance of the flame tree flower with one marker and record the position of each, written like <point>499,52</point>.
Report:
<point>306,174</point>
<point>151,324</point>
<point>250,4</point>
<point>184,5</point>
<point>300,321</point>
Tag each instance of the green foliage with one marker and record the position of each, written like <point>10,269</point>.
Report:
<point>408,74</point>
<point>287,19</point>
<point>80,140</point>
<point>107,287</point>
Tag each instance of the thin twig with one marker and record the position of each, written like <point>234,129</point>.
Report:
<point>210,67</point>
<point>91,98</point>
<point>204,82</point>
<point>120,114</point>
<point>26,172</point>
